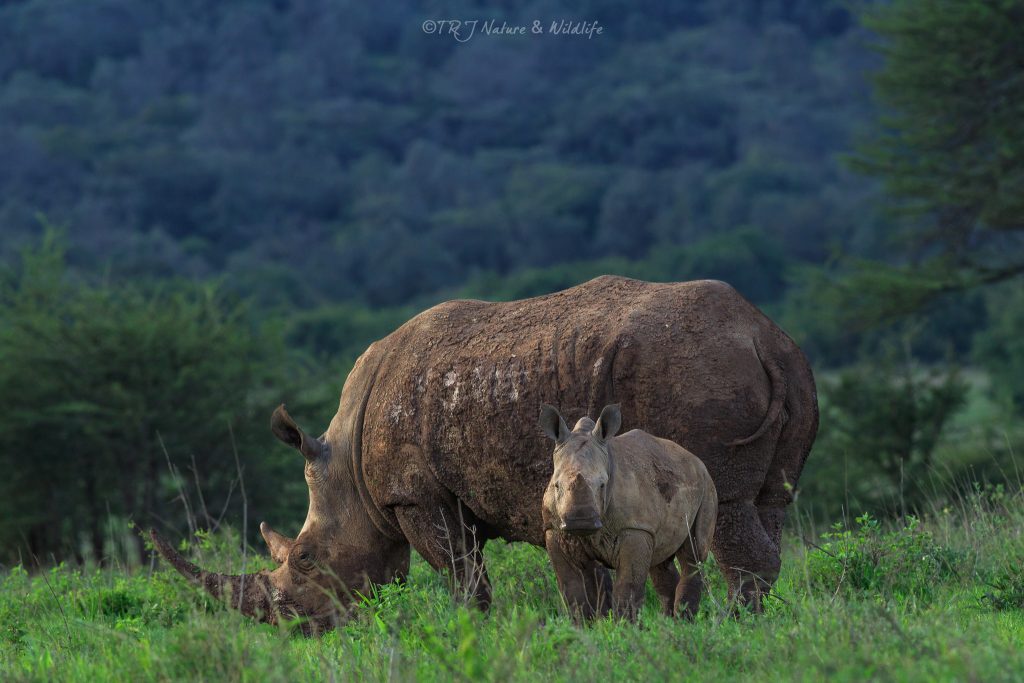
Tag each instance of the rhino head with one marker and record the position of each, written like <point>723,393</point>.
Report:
<point>338,553</point>
<point>577,496</point>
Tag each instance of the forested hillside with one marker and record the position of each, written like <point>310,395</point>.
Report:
<point>323,151</point>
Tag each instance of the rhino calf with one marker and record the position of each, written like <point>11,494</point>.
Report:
<point>634,503</point>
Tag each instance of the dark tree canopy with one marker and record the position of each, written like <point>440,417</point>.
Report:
<point>328,150</point>
<point>951,145</point>
<point>104,390</point>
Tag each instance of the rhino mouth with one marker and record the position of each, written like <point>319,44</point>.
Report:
<point>252,594</point>
<point>582,526</point>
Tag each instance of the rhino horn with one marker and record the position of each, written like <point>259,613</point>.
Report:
<point>278,544</point>
<point>248,593</point>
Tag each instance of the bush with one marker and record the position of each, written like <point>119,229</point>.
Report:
<point>1000,347</point>
<point>906,562</point>
<point>880,425</point>
<point>1006,586</point>
<point>103,388</point>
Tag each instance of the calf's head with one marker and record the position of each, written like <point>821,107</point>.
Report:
<point>338,552</point>
<point>577,495</point>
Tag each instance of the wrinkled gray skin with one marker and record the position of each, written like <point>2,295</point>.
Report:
<point>634,503</point>
<point>434,446</point>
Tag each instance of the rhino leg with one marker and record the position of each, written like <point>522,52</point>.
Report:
<point>450,541</point>
<point>776,495</point>
<point>665,579</point>
<point>746,553</point>
<point>694,551</point>
<point>598,585</point>
<point>772,517</point>
<point>631,570</point>
<point>791,451</point>
<point>745,550</point>
<point>688,590</point>
<point>800,425</point>
<point>584,584</point>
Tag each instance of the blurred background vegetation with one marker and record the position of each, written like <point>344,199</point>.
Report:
<point>210,208</point>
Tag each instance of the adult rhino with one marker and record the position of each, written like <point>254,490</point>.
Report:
<point>435,444</point>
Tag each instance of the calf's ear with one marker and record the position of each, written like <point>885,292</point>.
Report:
<point>552,424</point>
<point>608,424</point>
<point>285,429</point>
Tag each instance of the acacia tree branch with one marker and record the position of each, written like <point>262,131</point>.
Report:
<point>989,276</point>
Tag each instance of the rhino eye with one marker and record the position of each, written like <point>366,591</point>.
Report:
<point>304,559</point>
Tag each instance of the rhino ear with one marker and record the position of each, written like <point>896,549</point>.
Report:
<point>608,424</point>
<point>552,424</point>
<point>285,429</point>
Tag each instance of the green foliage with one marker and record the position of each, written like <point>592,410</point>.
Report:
<point>916,613</point>
<point>342,332</point>
<point>949,147</point>
<point>999,348</point>
<point>318,152</point>
<point>103,388</point>
<point>1006,587</point>
<point>881,423</point>
<point>868,294</point>
<point>748,258</point>
<point>951,143</point>
<point>851,309</point>
<point>903,563</point>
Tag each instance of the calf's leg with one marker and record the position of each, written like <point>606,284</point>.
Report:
<point>598,582</point>
<point>583,583</point>
<point>665,579</point>
<point>694,551</point>
<point>631,568</point>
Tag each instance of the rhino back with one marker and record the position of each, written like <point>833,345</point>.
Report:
<point>457,389</point>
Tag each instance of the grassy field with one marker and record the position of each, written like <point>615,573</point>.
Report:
<point>940,599</point>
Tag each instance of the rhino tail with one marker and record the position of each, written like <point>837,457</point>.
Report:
<point>777,378</point>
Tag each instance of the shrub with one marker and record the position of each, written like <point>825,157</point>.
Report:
<point>881,423</point>
<point>906,562</point>
<point>103,386</point>
<point>119,601</point>
<point>999,348</point>
<point>1006,586</point>
<point>12,630</point>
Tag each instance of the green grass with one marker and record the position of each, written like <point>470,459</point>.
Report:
<point>942,599</point>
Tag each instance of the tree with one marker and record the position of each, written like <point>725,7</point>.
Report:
<point>950,145</point>
<point>103,390</point>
